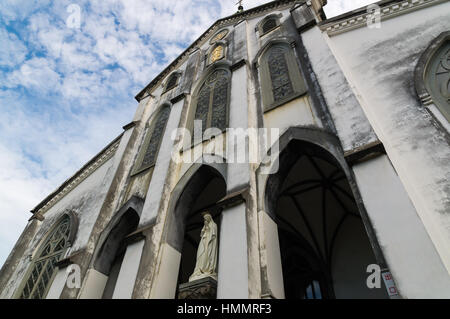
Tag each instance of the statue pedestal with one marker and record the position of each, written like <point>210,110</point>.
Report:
<point>205,288</point>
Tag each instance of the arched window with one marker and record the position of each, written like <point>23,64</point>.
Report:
<point>437,78</point>
<point>269,25</point>
<point>153,138</point>
<point>43,267</point>
<point>281,79</point>
<point>212,101</point>
<point>172,81</point>
<point>219,36</point>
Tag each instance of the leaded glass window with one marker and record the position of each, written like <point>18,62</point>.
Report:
<point>172,82</point>
<point>269,25</point>
<point>212,101</point>
<point>281,80</point>
<point>44,264</point>
<point>153,140</point>
<point>279,74</point>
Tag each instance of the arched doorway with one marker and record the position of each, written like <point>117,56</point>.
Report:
<point>323,242</point>
<point>111,253</point>
<point>200,189</point>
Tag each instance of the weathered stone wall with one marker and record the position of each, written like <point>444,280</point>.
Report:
<point>379,64</point>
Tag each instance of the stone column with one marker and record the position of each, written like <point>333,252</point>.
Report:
<point>58,284</point>
<point>160,173</point>
<point>93,285</point>
<point>410,254</point>
<point>128,271</point>
<point>233,260</point>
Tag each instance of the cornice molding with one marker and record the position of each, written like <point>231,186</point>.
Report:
<point>358,19</point>
<point>75,180</point>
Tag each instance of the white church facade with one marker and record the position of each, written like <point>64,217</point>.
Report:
<point>319,148</point>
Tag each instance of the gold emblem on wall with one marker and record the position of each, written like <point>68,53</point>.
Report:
<point>216,54</point>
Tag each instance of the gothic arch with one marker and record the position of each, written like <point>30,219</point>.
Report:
<point>432,77</point>
<point>211,100</point>
<point>51,249</point>
<point>102,256</point>
<point>268,23</point>
<point>206,168</point>
<point>109,252</point>
<point>309,202</point>
<point>203,185</point>
<point>155,129</point>
<point>172,81</point>
<point>279,73</point>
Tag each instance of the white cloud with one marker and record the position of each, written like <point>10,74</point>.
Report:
<point>36,73</point>
<point>338,7</point>
<point>12,50</point>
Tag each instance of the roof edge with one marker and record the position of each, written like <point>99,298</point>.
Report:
<point>237,15</point>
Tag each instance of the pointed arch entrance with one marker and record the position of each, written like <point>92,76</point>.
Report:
<point>324,243</point>
<point>199,190</point>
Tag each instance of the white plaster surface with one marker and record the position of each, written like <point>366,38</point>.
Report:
<point>233,260</point>
<point>93,285</point>
<point>411,256</point>
<point>380,64</point>
<point>351,124</point>
<point>274,267</point>
<point>128,271</point>
<point>165,283</point>
<point>156,187</point>
<point>57,285</point>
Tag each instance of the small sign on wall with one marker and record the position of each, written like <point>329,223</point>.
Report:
<point>389,283</point>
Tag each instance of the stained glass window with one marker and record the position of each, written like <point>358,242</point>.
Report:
<point>269,25</point>
<point>279,74</point>
<point>44,265</point>
<point>153,139</point>
<point>212,101</point>
<point>172,82</point>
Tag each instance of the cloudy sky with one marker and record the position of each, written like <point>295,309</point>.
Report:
<point>67,85</point>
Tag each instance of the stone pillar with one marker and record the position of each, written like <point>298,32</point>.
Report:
<point>156,187</point>
<point>165,285</point>
<point>128,271</point>
<point>93,285</point>
<point>58,284</point>
<point>272,269</point>
<point>233,260</point>
<point>238,144</point>
<point>411,256</point>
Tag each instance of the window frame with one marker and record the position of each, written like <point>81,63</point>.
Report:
<point>37,254</point>
<point>276,17</point>
<point>150,130</point>
<point>219,65</point>
<point>294,73</point>
<point>176,74</point>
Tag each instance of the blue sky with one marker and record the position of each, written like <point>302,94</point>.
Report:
<point>67,88</point>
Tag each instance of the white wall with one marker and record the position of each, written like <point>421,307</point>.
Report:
<point>379,64</point>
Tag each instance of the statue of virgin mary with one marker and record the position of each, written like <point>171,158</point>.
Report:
<point>206,265</point>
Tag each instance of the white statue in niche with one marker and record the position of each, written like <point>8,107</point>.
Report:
<point>206,265</point>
